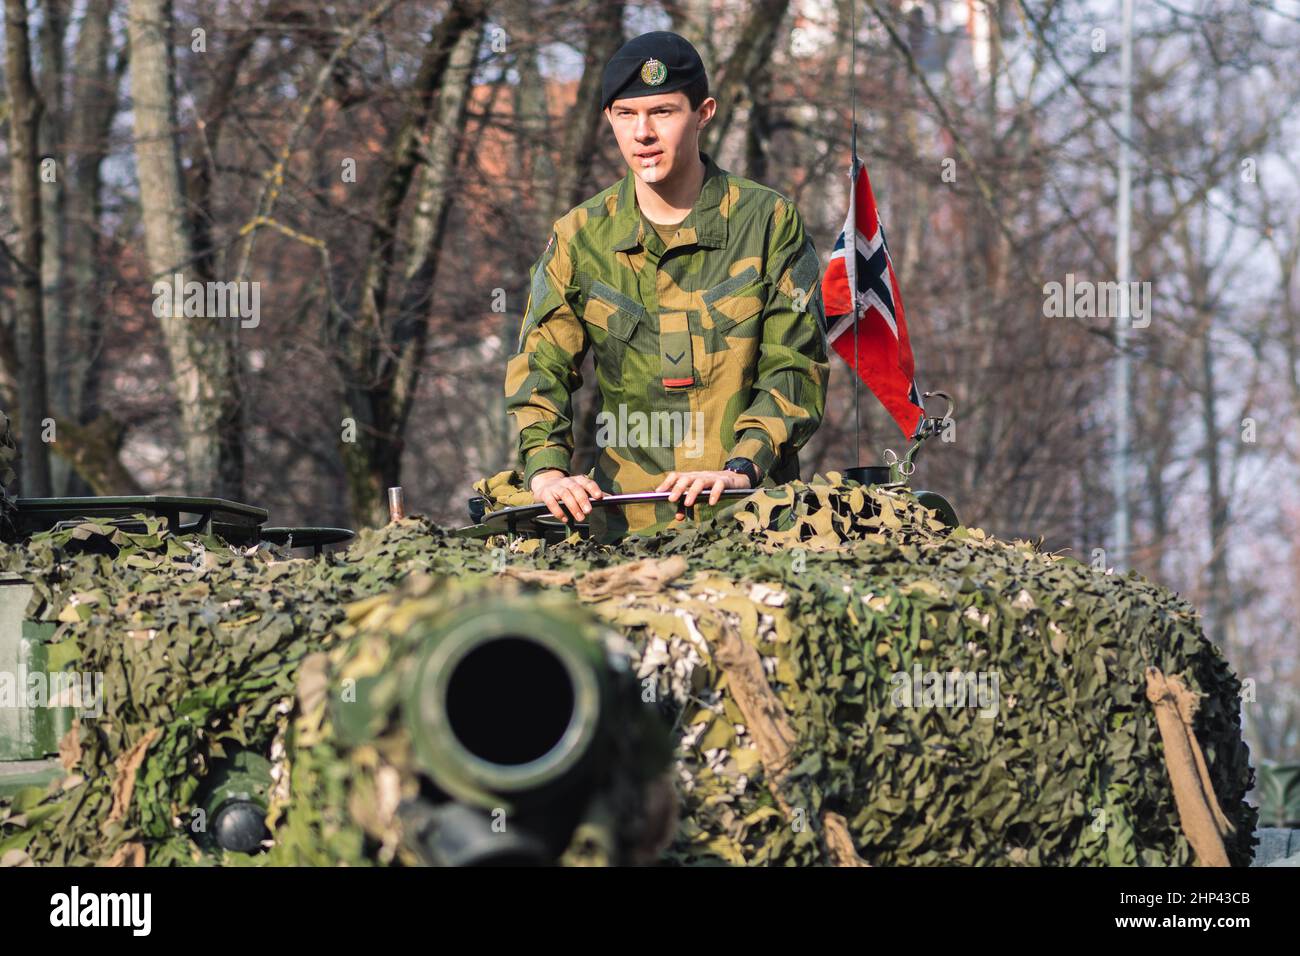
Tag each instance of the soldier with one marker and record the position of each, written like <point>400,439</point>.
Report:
<point>700,293</point>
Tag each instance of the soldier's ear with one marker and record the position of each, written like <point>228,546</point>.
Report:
<point>706,111</point>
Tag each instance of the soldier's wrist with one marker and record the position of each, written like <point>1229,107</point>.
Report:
<point>545,473</point>
<point>548,458</point>
<point>755,445</point>
<point>746,467</point>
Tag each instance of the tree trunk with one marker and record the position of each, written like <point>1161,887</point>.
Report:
<point>200,349</point>
<point>54,18</point>
<point>24,167</point>
<point>533,175</point>
<point>379,360</point>
<point>94,99</point>
<point>752,55</point>
<point>583,134</point>
<point>1217,605</point>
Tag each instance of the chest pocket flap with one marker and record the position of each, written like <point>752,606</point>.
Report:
<point>614,311</point>
<point>734,300</point>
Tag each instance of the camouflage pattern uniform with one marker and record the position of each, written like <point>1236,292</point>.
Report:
<point>725,320</point>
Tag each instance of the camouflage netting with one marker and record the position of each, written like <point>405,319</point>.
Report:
<point>774,636</point>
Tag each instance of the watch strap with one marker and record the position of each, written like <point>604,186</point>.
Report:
<point>743,466</point>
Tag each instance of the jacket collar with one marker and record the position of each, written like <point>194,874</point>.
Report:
<point>704,225</point>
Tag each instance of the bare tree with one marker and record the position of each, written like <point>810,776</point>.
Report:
<point>201,353</point>
<point>379,353</point>
<point>94,103</point>
<point>54,17</point>
<point>24,159</point>
<point>582,135</point>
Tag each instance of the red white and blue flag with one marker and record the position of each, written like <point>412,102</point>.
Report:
<point>884,354</point>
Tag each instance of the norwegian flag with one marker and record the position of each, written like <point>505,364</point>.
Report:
<point>884,359</point>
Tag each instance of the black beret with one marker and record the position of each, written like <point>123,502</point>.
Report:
<point>658,62</point>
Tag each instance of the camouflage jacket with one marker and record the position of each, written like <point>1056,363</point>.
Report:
<point>708,348</point>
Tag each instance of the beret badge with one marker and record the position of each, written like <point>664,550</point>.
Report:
<point>653,72</point>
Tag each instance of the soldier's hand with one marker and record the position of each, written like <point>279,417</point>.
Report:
<point>558,491</point>
<point>691,483</point>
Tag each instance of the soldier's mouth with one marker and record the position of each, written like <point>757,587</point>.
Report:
<point>650,158</point>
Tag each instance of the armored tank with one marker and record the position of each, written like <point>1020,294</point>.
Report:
<point>829,672</point>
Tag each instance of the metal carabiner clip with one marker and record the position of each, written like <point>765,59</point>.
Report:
<point>905,466</point>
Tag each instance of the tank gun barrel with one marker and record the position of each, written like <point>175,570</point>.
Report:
<point>508,702</point>
<point>516,720</point>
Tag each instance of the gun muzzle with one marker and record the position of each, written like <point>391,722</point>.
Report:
<point>507,704</point>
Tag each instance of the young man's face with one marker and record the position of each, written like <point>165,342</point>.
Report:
<point>659,135</point>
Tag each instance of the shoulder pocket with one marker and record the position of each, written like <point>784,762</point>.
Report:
<point>735,300</point>
<point>613,311</point>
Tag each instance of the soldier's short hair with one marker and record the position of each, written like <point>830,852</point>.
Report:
<point>697,91</point>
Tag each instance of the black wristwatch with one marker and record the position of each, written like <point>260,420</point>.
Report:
<point>743,466</point>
